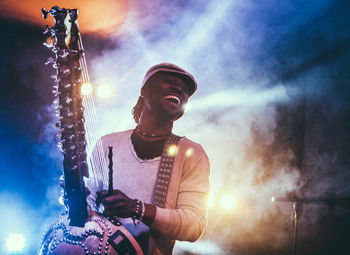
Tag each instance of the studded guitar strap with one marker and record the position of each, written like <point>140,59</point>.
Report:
<point>164,171</point>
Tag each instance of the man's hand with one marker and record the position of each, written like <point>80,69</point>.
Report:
<point>117,204</point>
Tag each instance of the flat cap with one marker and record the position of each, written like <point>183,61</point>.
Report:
<point>171,68</point>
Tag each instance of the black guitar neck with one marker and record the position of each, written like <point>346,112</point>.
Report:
<point>64,39</point>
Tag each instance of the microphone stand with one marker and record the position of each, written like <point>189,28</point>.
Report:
<point>297,210</point>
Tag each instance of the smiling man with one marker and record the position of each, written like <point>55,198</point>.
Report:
<point>161,181</point>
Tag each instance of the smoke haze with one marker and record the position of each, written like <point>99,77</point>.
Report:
<point>271,111</point>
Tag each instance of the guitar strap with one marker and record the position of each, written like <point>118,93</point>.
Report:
<point>164,171</point>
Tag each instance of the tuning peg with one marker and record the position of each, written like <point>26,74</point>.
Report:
<point>62,53</point>
<point>49,61</point>
<point>64,72</point>
<point>45,13</point>
<point>67,86</point>
<point>55,90</point>
<point>46,29</point>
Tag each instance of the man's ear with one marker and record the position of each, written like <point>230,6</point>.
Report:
<point>144,89</point>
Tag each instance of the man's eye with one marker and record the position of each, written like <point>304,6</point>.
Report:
<point>168,81</point>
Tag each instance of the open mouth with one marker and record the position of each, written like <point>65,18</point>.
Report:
<point>173,99</point>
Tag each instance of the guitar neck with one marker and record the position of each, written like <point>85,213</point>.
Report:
<point>65,41</point>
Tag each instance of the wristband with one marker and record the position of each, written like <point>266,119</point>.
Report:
<point>139,212</point>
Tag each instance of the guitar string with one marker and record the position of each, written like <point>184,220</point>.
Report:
<point>97,162</point>
<point>86,103</point>
<point>97,154</point>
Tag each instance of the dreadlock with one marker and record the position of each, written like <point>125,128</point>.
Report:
<point>136,111</point>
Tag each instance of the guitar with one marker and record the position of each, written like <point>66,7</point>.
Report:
<point>78,230</point>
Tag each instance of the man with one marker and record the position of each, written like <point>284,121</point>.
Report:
<point>138,200</point>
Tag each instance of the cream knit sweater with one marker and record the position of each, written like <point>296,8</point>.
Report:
<point>184,215</point>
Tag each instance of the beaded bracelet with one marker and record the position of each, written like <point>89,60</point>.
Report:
<point>139,213</point>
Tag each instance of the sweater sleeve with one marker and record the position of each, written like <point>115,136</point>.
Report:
<point>188,220</point>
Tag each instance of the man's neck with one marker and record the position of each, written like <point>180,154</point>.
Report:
<point>152,126</point>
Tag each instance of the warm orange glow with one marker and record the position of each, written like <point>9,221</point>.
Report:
<point>103,17</point>
<point>50,41</point>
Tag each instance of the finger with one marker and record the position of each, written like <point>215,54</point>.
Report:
<point>100,196</point>
<point>113,199</point>
<point>116,206</point>
<point>102,192</point>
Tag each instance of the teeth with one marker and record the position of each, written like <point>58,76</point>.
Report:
<point>171,97</point>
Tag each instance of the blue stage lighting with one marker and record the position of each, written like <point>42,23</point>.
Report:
<point>15,242</point>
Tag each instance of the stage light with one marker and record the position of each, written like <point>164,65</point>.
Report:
<point>189,152</point>
<point>227,202</point>
<point>15,242</point>
<point>172,150</point>
<point>104,91</point>
<point>86,89</point>
<point>211,201</point>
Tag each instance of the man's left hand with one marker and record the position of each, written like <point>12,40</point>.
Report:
<point>118,204</point>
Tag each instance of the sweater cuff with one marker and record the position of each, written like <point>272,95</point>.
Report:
<point>150,214</point>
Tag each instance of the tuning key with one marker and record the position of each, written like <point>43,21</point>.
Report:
<point>49,60</point>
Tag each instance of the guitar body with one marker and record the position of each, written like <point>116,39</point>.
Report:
<point>100,235</point>
<point>78,230</point>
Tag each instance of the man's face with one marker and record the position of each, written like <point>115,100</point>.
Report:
<point>166,95</point>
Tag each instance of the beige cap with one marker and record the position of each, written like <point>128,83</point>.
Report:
<point>171,68</point>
